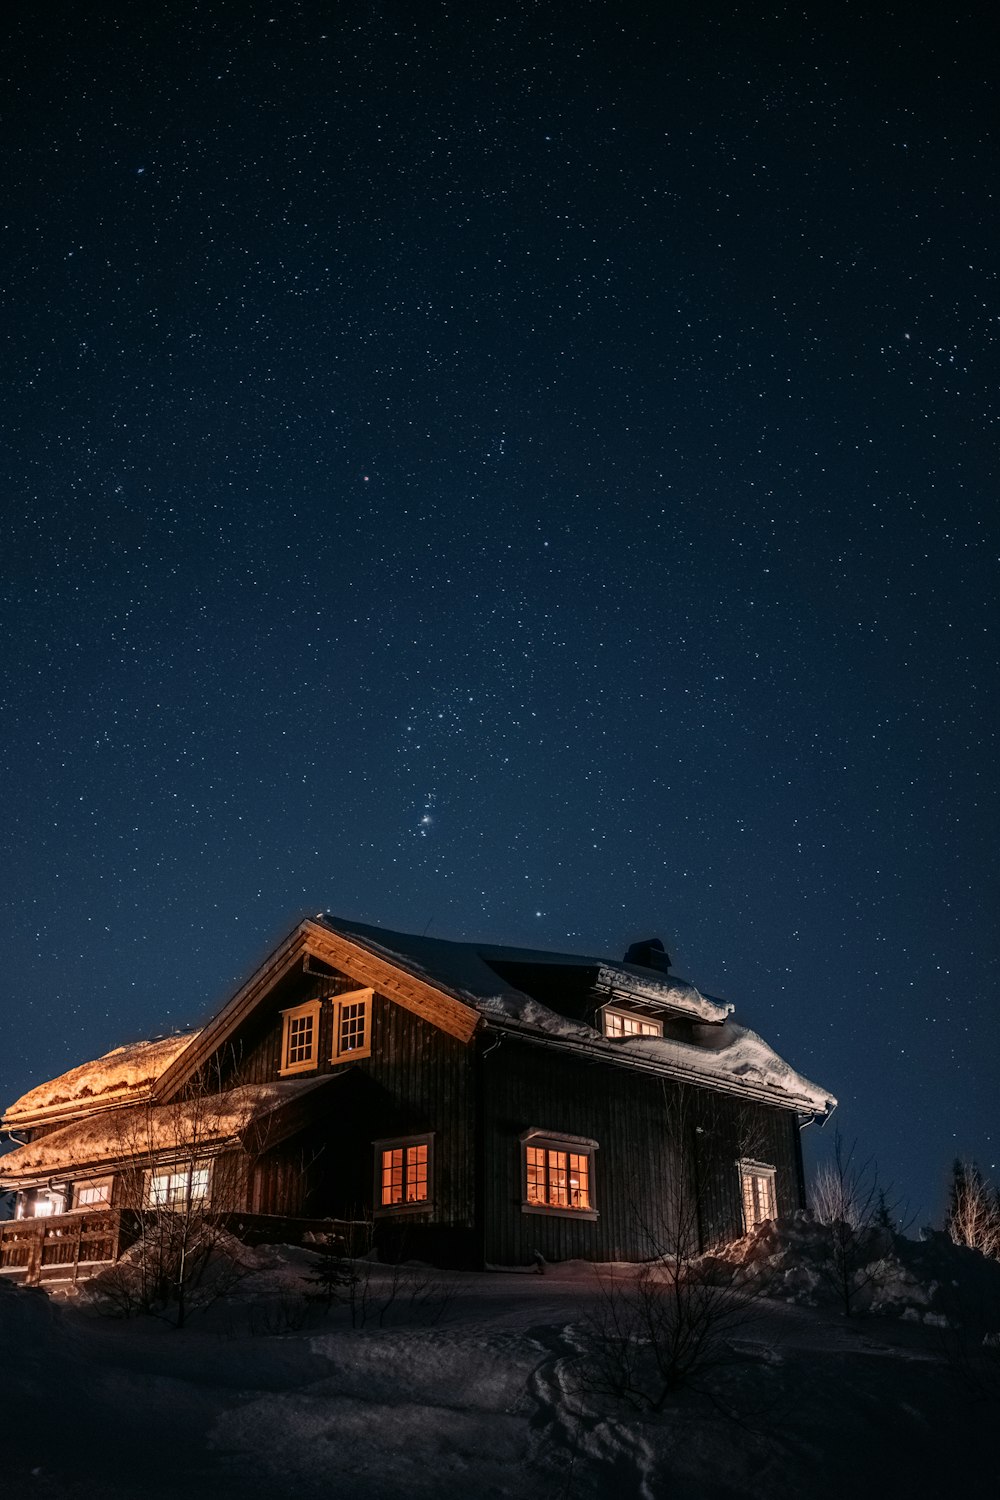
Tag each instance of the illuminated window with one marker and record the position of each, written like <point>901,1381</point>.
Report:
<point>622,1023</point>
<point>178,1189</point>
<point>300,1038</point>
<point>352,1019</point>
<point>44,1207</point>
<point>94,1194</point>
<point>558,1174</point>
<point>759,1199</point>
<point>403,1174</point>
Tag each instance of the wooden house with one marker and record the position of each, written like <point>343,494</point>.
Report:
<point>474,1104</point>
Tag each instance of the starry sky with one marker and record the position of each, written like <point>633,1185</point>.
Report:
<point>522,472</point>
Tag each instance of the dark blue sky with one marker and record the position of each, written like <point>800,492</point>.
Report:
<point>529,473</point>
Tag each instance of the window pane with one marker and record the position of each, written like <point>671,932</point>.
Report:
<point>416,1174</point>
<point>558,1194</point>
<point>392,1176</point>
<point>300,1040</point>
<point>579,1181</point>
<point>536,1175</point>
<point>353,1018</point>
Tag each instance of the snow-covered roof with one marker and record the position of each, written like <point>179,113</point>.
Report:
<point>466,969</point>
<point>201,1123</point>
<point>122,1075</point>
<point>717,1054</point>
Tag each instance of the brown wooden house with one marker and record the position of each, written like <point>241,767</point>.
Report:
<point>474,1104</point>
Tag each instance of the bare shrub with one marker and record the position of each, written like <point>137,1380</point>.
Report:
<point>849,1200</point>
<point>669,1324</point>
<point>974,1210</point>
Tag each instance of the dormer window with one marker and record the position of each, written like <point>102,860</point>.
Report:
<point>626,1023</point>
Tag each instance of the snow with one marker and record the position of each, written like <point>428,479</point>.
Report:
<point>476,1390</point>
<point>673,993</point>
<point>721,1054</point>
<point>136,1130</point>
<point>466,969</point>
<point>123,1073</point>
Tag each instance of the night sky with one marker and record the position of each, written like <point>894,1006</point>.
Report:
<point>523,472</point>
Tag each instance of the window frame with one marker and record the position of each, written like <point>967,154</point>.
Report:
<point>173,1170</point>
<point>365,998</point>
<point>313,1008</point>
<point>413,1205</point>
<point>103,1185</point>
<point>630,1015</point>
<point>571,1145</point>
<point>749,1171</point>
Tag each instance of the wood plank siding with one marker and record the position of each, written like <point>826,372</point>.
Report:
<point>645,1128</point>
<point>417,1080</point>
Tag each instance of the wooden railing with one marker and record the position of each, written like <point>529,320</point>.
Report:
<point>71,1247</point>
<point>62,1248</point>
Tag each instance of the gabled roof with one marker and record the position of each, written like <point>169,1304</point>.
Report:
<point>199,1126</point>
<point>465,969</point>
<point>458,987</point>
<point>717,1053</point>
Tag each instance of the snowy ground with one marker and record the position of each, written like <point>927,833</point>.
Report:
<point>471,1388</point>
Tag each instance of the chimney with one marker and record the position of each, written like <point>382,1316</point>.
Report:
<point>649,954</point>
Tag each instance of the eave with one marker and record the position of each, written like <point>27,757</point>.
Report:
<point>604,1051</point>
<point>433,1004</point>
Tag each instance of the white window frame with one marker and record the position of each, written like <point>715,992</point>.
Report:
<point>181,1180</point>
<point>632,1016</point>
<point>101,1185</point>
<point>750,1173</point>
<point>404,1206</point>
<point>570,1145</point>
<point>313,1009</point>
<point>364,999</point>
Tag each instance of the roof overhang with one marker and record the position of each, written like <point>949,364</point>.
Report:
<point>312,939</point>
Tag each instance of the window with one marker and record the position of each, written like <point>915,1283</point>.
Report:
<point>757,1187</point>
<point>623,1023</point>
<point>403,1174</point>
<point>179,1188</point>
<point>352,1025</point>
<point>93,1194</point>
<point>300,1038</point>
<point>557,1174</point>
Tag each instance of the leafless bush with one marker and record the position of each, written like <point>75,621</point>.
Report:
<point>848,1198</point>
<point>974,1210</point>
<point>668,1324</point>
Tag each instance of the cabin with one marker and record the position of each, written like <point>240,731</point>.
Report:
<point>471,1104</point>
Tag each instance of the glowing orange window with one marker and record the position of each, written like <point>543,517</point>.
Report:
<point>404,1173</point>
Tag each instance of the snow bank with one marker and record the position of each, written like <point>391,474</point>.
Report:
<point>120,1074</point>
<point>930,1281</point>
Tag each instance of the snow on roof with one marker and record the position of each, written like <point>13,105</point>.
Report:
<point>134,1133</point>
<point>723,1055</point>
<point>465,968</point>
<point>123,1073</point>
<point>628,980</point>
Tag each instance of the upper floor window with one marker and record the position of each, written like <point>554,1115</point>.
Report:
<point>352,1021</point>
<point>93,1194</point>
<point>624,1023</point>
<point>403,1173</point>
<point>300,1038</point>
<point>759,1198</point>
<point>557,1174</point>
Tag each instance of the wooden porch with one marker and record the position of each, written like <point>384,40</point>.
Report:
<point>72,1247</point>
<point>65,1247</point>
